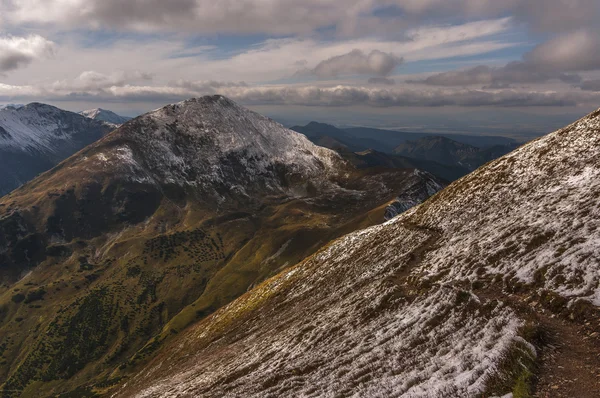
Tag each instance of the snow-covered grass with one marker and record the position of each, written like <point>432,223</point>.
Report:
<point>533,215</point>
<point>341,325</point>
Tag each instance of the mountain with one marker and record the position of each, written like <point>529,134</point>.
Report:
<point>491,287</point>
<point>438,149</point>
<point>372,158</point>
<point>446,151</point>
<point>333,138</point>
<point>429,153</point>
<point>464,153</point>
<point>105,116</point>
<point>36,137</point>
<point>394,138</point>
<point>114,252</point>
<point>16,106</point>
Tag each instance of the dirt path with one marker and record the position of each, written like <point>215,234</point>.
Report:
<point>570,360</point>
<point>569,353</point>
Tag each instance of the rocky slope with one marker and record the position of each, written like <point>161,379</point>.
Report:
<point>112,253</point>
<point>36,137</point>
<point>104,115</point>
<point>464,295</point>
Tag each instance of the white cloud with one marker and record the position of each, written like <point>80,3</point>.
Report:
<point>17,52</point>
<point>356,62</point>
<point>304,95</point>
<point>169,58</point>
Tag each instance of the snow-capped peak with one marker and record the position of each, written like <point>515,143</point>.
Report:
<point>38,126</point>
<point>105,116</point>
<point>208,140</point>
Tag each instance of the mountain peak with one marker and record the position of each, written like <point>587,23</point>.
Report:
<point>105,115</point>
<point>208,142</point>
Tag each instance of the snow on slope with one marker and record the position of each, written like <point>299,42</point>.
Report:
<point>37,127</point>
<point>382,312</point>
<point>35,137</point>
<point>105,116</point>
<point>537,218</point>
<point>424,186</point>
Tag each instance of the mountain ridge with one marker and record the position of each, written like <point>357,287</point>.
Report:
<point>36,137</point>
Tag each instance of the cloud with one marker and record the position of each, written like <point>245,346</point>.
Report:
<point>540,15</point>
<point>356,62</point>
<point>382,80</point>
<point>18,52</point>
<point>342,96</point>
<point>284,17</point>
<point>513,73</point>
<point>591,85</point>
<point>280,17</point>
<point>575,51</point>
<point>92,80</point>
<point>303,95</point>
<point>560,58</point>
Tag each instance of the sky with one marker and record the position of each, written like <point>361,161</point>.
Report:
<point>472,65</point>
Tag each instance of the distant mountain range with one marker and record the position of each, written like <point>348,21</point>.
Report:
<point>431,153</point>
<point>36,137</point>
<point>448,152</point>
<point>362,138</point>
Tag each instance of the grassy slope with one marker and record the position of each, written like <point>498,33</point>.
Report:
<point>91,305</point>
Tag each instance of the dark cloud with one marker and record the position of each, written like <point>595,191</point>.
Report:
<point>575,51</point>
<point>512,73</point>
<point>356,62</point>
<point>17,52</point>
<point>13,60</point>
<point>203,16</point>
<point>591,85</point>
<point>292,16</point>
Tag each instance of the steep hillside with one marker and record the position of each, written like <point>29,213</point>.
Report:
<point>104,115</point>
<point>490,287</point>
<point>446,151</point>
<point>437,149</point>
<point>176,213</point>
<point>372,158</point>
<point>36,137</point>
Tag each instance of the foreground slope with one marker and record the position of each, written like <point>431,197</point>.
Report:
<point>36,137</point>
<point>159,224</point>
<point>464,296</point>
